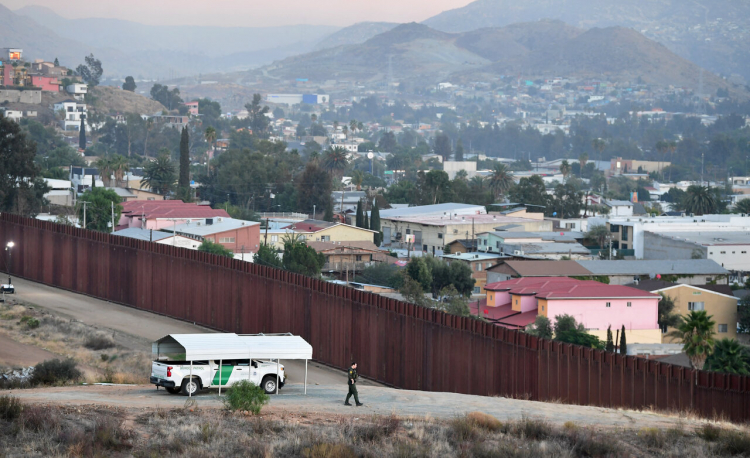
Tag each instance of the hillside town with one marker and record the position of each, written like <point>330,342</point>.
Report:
<point>601,222</point>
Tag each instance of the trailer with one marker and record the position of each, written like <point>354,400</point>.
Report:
<point>187,363</point>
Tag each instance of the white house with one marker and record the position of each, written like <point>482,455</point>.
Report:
<point>73,111</point>
<point>77,90</point>
<point>619,207</point>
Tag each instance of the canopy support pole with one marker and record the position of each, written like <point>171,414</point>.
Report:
<point>190,393</point>
<point>305,377</point>
<point>221,365</point>
<point>277,375</point>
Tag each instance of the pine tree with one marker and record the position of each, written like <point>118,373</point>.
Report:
<point>610,347</point>
<point>82,135</point>
<point>360,217</point>
<point>459,153</point>
<point>184,180</point>
<point>57,62</point>
<point>623,343</point>
<point>328,216</point>
<point>366,223</point>
<point>375,224</point>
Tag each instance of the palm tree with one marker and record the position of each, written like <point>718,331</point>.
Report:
<point>729,357</point>
<point>661,147</point>
<point>477,184</point>
<point>357,178</point>
<point>210,136</point>
<point>160,175</point>
<point>501,179</point>
<point>582,160</point>
<point>667,317</point>
<point>120,166</point>
<point>565,170</point>
<point>345,130</point>
<point>598,234</point>
<point>334,160</point>
<point>598,145</point>
<point>700,200</point>
<point>353,126</point>
<point>672,148</point>
<point>360,126</point>
<point>696,332</point>
<point>742,206</point>
<point>104,165</point>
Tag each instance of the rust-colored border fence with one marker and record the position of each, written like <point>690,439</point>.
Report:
<point>395,343</point>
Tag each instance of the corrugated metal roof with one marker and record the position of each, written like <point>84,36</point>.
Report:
<point>226,224</point>
<point>195,347</point>
<point>654,267</point>
<point>437,209</point>
<point>142,234</point>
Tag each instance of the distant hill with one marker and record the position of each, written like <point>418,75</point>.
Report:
<point>130,48</point>
<point>355,34</point>
<point>537,49</point>
<point>712,33</point>
<point>112,100</point>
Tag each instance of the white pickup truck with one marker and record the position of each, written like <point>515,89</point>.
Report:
<point>175,375</point>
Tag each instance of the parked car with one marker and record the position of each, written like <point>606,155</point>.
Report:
<point>175,376</point>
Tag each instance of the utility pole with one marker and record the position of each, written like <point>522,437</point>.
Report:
<point>84,213</point>
<point>113,216</point>
<point>314,206</point>
<point>265,240</point>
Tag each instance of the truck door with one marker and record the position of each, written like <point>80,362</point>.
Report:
<point>241,371</point>
<point>255,377</point>
<point>227,368</point>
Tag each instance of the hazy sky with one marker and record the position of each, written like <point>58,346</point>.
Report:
<point>248,12</point>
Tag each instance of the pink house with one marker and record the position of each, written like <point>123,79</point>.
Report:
<point>165,214</point>
<point>192,107</point>
<point>47,83</point>
<point>516,303</point>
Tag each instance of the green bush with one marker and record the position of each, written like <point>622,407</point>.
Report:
<point>98,342</point>
<point>30,322</point>
<point>55,372</point>
<point>10,407</point>
<point>245,395</point>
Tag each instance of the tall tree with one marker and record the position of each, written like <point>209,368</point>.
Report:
<point>443,146</point>
<point>300,258</point>
<point>129,84</point>
<point>21,187</point>
<point>696,332</point>
<point>360,219</point>
<point>700,200</point>
<point>104,166</point>
<point>565,170</point>
<point>459,153</point>
<point>667,316</point>
<point>623,342</point>
<point>82,134</point>
<point>57,62</point>
<point>259,122</point>
<point>184,180</point>
<point>160,175</point>
<point>328,215</point>
<point>357,179</point>
<point>541,327</point>
<point>387,142</point>
<point>729,357</point>
<point>92,72</point>
<point>215,248</point>
<point>375,224</point>
<point>583,158</point>
<point>501,180</point>
<point>149,127</point>
<point>597,234</point>
<point>268,256</point>
<point>366,222</point>
<point>314,188</point>
<point>334,160</point>
<point>610,345</point>
<point>120,166</point>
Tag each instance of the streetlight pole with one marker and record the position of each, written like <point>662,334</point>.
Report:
<point>84,213</point>
<point>9,247</point>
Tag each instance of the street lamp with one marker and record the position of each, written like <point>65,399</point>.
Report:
<point>9,249</point>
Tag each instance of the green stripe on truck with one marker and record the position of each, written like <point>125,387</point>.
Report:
<point>226,371</point>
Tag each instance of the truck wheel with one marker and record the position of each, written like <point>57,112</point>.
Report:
<point>191,386</point>
<point>269,384</point>
<point>172,390</point>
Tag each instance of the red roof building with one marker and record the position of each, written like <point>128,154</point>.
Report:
<point>158,214</point>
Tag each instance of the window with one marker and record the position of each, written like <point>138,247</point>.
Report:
<point>359,257</point>
<point>440,235</point>
<point>408,231</point>
<point>609,304</point>
<point>516,301</point>
<point>696,306</point>
<point>723,328</point>
<point>479,267</point>
<point>226,239</point>
<point>274,238</point>
<point>325,238</point>
<point>542,308</point>
<point>630,304</point>
<point>484,242</point>
<point>489,264</point>
<point>477,290</point>
<point>723,252</point>
<point>744,252</point>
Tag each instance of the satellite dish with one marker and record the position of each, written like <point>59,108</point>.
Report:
<point>370,155</point>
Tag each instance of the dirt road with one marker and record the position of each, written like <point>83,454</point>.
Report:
<point>377,400</point>
<point>16,355</point>
<point>136,329</point>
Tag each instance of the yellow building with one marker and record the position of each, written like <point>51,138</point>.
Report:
<point>720,306</point>
<point>318,231</point>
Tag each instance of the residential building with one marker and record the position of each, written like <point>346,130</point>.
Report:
<point>717,301</point>
<point>12,54</point>
<point>159,214</point>
<point>14,115</point>
<point>618,166</point>
<point>311,230</point>
<point>45,83</point>
<point>296,99</point>
<point>628,232</point>
<point>192,107</point>
<point>77,90</point>
<point>348,258</point>
<point>453,167</point>
<point>548,250</point>
<point>729,249</point>
<point>348,202</point>
<point>447,209</point>
<point>162,238</point>
<point>32,96</point>
<point>597,306</point>
<point>432,233</point>
<point>511,268</point>
<point>551,245</point>
<point>462,246</point>
<point>60,193</point>
<point>73,111</point>
<point>171,121</point>
<point>479,263</point>
<point>234,234</point>
<point>619,207</point>
<point>687,272</point>
<point>82,178</point>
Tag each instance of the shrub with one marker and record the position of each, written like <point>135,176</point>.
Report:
<point>462,430</point>
<point>245,395</point>
<point>652,437</point>
<point>328,451</point>
<point>530,428</point>
<point>30,322</point>
<point>55,372</point>
<point>380,428</point>
<point>98,342</point>
<point>10,407</point>
<point>39,419</point>
<point>109,434</point>
<point>733,443</point>
<point>485,421</point>
<point>708,432</point>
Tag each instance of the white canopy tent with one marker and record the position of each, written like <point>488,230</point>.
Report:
<point>197,347</point>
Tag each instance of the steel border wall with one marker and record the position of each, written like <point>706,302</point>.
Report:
<point>394,342</point>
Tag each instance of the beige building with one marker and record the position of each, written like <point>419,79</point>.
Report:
<point>317,231</point>
<point>721,306</point>
<point>431,234</point>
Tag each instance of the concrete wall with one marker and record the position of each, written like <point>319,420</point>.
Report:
<point>32,96</point>
<point>453,167</point>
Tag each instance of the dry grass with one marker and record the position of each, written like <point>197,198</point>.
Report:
<point>96,353</point>
<point>92,431</point>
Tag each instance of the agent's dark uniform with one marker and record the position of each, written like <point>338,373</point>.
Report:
<point>352,381</point>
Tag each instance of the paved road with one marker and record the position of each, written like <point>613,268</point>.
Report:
<point>377,400</point>
<point>139,328</point>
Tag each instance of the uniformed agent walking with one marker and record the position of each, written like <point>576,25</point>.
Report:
<point>353,386</point>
